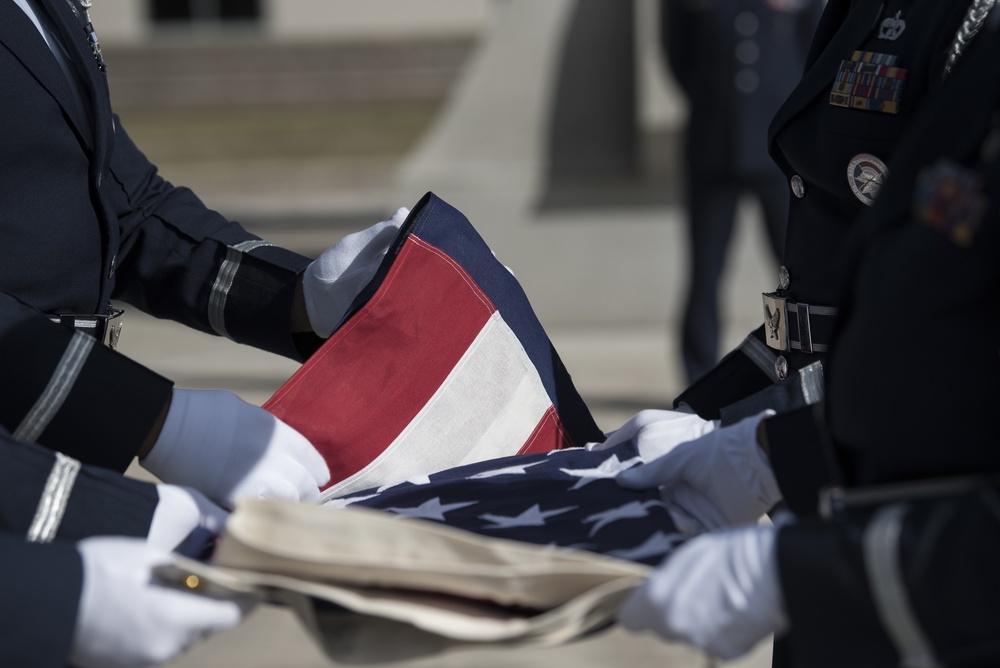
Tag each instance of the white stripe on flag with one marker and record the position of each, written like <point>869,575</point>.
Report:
<point>487,407</point>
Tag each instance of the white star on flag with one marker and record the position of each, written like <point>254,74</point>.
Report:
<point>609,468</point>
<point>507,470</point>
<point>633,510</point>
<point>658,543</point>
<point>532,517</point>
<point>431,510</point>
<point>416,480</point>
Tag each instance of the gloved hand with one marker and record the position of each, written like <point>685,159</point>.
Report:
<point>332,281</point>
<point>180,511</point>
<point>719,592</point>
<point>657,432</point>
<point>227,449</point>
<point>717,481</point>
<point>126,620</point>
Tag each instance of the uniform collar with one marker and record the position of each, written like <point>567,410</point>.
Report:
<point>74,27</point>
<point>20,36</point>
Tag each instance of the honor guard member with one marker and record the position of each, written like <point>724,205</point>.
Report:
<point>892,558</point>
<point>736,60</point>
<point>78,544</point>
<point>871,66</point>
<point>85,219</point>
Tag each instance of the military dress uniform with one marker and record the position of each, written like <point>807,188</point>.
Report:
<point>869,69</point>
<point>735,60</point>
<point>85,219</point>
<point>49,502</point>
<point>901,567</point>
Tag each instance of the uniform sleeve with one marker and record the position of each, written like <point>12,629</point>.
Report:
<point>39,600</point>
<point>745,370</point>
<point>801,457</point>
<point>916,579</point>
<point>182,261</point>
<point>66,391</point>
<point>49,496</point>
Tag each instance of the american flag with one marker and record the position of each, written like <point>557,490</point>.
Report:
<point>567,498</point>
<point>441,362</point>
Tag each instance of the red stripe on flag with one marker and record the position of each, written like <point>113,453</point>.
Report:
<point>355,395</point>
<point>548,435</point>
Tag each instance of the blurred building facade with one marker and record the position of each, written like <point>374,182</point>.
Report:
<point>548,112</point>
<point>271,21</point>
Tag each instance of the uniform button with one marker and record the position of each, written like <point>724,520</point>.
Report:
<point>798,186</point>
<point>781,367</point>
<point>784,280</point>
<point>746,23</point>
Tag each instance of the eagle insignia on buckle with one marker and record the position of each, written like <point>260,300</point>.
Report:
<point>775,321</point>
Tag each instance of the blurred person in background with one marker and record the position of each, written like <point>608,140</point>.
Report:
<point>735,60</point>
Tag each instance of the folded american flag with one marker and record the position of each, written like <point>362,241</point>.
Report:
<point>440,362</point>
<point>566,498</point>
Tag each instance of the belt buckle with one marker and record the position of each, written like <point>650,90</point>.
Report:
<point>775,321</point>
<point>101,327</point>
<point>112,329</point>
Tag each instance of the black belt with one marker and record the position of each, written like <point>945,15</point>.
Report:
<point>795,326</point>
<point>104,328</point>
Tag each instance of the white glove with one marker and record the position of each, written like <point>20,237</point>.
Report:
<point>657,432</point>
<point>717,481</point>
<point>332,281</point>
<point>126,620</point>
<point>719,592</point>
<point>227,449</point>
<point>180,511</point>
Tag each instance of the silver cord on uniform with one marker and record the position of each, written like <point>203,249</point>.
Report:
<point>971,24</point>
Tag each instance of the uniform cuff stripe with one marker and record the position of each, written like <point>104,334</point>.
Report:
<point>55,498</point>
<point>881,550</point>
<point>224,282</point>
<point>58,388</point>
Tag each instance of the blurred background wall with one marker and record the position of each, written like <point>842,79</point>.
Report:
<point>552,125</point>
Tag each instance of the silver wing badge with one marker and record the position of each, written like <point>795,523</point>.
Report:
<point>773,321</point>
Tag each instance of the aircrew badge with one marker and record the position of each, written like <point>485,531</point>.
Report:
<point>866,175</point>
<point>892,28</point>
<point>870,81</point>
<point>949,199</point>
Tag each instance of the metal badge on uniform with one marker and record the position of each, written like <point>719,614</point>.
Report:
<point>892,27</point>
<point>775,321</point>
<point>870,81</point>
<point>866,175</point>
<point>949,199</point>
<point>95,44</point>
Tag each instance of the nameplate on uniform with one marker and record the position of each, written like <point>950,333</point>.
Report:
<point>870,81</point>
<point>949,199</point>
